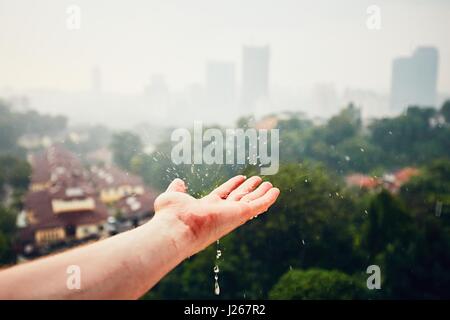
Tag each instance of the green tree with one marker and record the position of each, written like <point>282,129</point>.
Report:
<point>445,111</point>
<point>429,192</point>
<point>345,125</point>
<point>125,146</point>
<point>7,232</point>
<point>388,223</point>
<point>318,284</point>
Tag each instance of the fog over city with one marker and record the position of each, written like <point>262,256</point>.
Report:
<point>141,139</point>
<point>169,63</point>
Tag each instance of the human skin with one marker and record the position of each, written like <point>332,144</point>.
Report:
<point>127,265</point>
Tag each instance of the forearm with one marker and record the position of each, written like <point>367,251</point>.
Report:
<point>121,267</point>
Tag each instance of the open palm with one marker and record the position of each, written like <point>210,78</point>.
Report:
<point>224,209</point>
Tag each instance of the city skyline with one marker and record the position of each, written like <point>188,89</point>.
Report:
<point>320,42</point>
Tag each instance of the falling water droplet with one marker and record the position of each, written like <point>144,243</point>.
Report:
<point>438,208</point>
<point>216,288</point>
<point>216,270</point>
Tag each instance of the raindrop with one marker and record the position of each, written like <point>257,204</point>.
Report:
<point>216,269</point>
<point>216,288</point>
<point>347,158</point>
<point>366,212</point>
<point>362,149</point>
<point>438,209</point>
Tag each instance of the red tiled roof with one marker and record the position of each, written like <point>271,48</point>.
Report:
<point>39,203</point>
<point>404,175</point>
<point>107,177</point>
<point>362,181</point>
<point>145,201</point>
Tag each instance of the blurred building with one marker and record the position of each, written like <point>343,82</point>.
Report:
<point>324,99</point>
<point>371,103</point>
<point>414,79</point>
<point>220,84</point>
<point>255,75</point>
<point>68,204</point>
<point>389,181</point>
<point>61,205</point>
<point>158,96</point>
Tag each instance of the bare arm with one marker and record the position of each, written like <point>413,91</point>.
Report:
<point>129,264</point>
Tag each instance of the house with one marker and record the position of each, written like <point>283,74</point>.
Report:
<point>113,184</point>
<point>390,181</point>
<point>125,194</point>
<point>68,203</point>
<point>61,205</point>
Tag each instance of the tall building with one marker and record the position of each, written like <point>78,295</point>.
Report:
<point>158,96</point>
<point>255,75</point>
<point>220,83</point>
<point>414,79</point>
<point>325,99</point>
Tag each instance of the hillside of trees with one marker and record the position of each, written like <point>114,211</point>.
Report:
<point>319,238</point>
<point>317,241</point>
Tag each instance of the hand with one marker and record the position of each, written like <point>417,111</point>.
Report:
<point>207,219</point>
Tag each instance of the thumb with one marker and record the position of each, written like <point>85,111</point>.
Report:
<point>176,185</point>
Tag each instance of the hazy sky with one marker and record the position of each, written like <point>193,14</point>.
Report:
<point>311,41</point>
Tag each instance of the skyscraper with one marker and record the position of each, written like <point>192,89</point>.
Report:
<point>414,79</point>
<point>158,97</point>
<point>255,75</point>
<point>220,83</point>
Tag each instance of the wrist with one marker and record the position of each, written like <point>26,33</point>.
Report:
<point>174,232</point>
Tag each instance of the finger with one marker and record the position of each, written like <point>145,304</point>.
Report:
<point>259,192</point>
<point>263,203</point>
<point>177,185</point>
<point>248,186</point>
<point>224,190</point>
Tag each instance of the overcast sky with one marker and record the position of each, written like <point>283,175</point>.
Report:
<point>311,41</point>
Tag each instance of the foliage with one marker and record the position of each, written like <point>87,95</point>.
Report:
<point>7,231</point>
<point>125,145</point>
<point>318,284</point>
